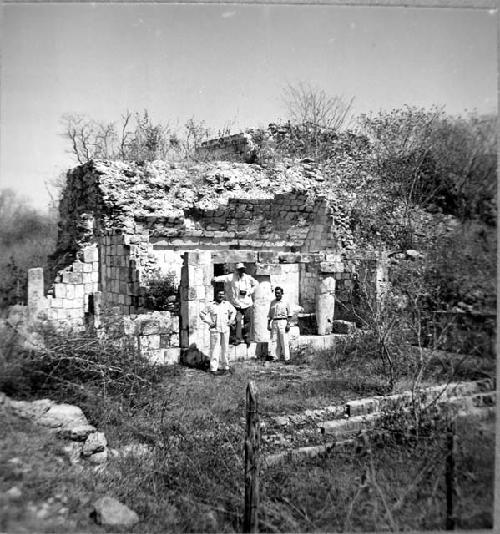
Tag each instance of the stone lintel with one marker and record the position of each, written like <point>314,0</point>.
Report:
<point>234,256</point>
<point>268,269</point>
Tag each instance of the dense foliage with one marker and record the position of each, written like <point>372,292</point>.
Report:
<point>26,238</point>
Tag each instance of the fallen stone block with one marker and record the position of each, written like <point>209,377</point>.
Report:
<point>314,342</point>
<point>96,442</point>
<point>110,512</point>
<point>484,399</point>
<point>343,327</point>
<point>77,433</point>
<point>350,425</point>
<point>99,457</point>
<point>361,407</point>
<point>298,419</point>
<point>73,451</point>
<point>34,409</point>
<point>65,415</point>
<point>281,420</point>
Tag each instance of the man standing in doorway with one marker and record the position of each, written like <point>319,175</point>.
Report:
<point>240,288</point>
<point>219,315</point>
<point>279,325</point>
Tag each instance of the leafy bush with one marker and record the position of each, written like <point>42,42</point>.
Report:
<point>162,292</point>
<point>76,367</point>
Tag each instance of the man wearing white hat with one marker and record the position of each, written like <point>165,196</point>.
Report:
<point>239,288</point>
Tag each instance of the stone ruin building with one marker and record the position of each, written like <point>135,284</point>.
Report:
<point>124,225</point>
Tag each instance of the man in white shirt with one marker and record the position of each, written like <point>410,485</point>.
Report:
<point>219,315</point>
<point>279,324</point>
<point>239,288</point>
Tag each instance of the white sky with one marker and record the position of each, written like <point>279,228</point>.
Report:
<point>223,63</point>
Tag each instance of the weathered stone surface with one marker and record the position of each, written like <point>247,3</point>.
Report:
<point>77,433</point>
<point>361,407</point>
<point>314,342</point>
<point>110,512</point>
<point>281,420</point>
<point>325,304</point>
<point>98,457</point>
<point>267,269</point>
<point>14,493</point>
<point>65,415</point>
<point>343,327</point>
<point>352,424</point>
<point>34,409</point>
<point>95,442</point>
<point>413,254</point>
<point>73,451</point>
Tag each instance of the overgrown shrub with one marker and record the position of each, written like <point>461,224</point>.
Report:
<point>77,367</point>
<point>162,292</point>
<point>394,479</point>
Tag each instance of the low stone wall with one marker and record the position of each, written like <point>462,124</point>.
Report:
<point>154,335</point>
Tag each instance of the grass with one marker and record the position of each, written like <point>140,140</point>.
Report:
<point>398,486</point>
<point>193,478</point>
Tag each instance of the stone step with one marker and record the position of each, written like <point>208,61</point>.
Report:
<point>340,427</point>
<point>427,395</point>
<point>389,402</point>
<point>307,452</point>
<point>309,415</point>
<point>359,425</point>
<point>242,352</point>
<point>466,404</point>
<point>469,402</point>
<point>313,343</point>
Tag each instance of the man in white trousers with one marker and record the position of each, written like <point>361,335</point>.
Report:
<point>279,324</point>
<point>219,315</point>
<point>239,288</point>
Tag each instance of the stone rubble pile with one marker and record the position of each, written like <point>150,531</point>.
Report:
<point>121,192</point>
<point>69,422</point>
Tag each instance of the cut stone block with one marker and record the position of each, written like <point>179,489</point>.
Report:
<point>361,407</point>
<point>241,352</point>
<point>267,269</point>
<point>172,355</point>
<point>314,342</point>
<point>95,442</point>
<point>110,512</point>
<point>343,327</point>
<point>345,426</point>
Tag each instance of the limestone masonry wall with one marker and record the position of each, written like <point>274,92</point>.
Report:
<point>123,225</point>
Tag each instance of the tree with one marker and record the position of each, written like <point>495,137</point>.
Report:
<point>195,133</point>
<point>311,106</point>
<point>314,120</point>
<point>429,159</point>
<point>135,138</point>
